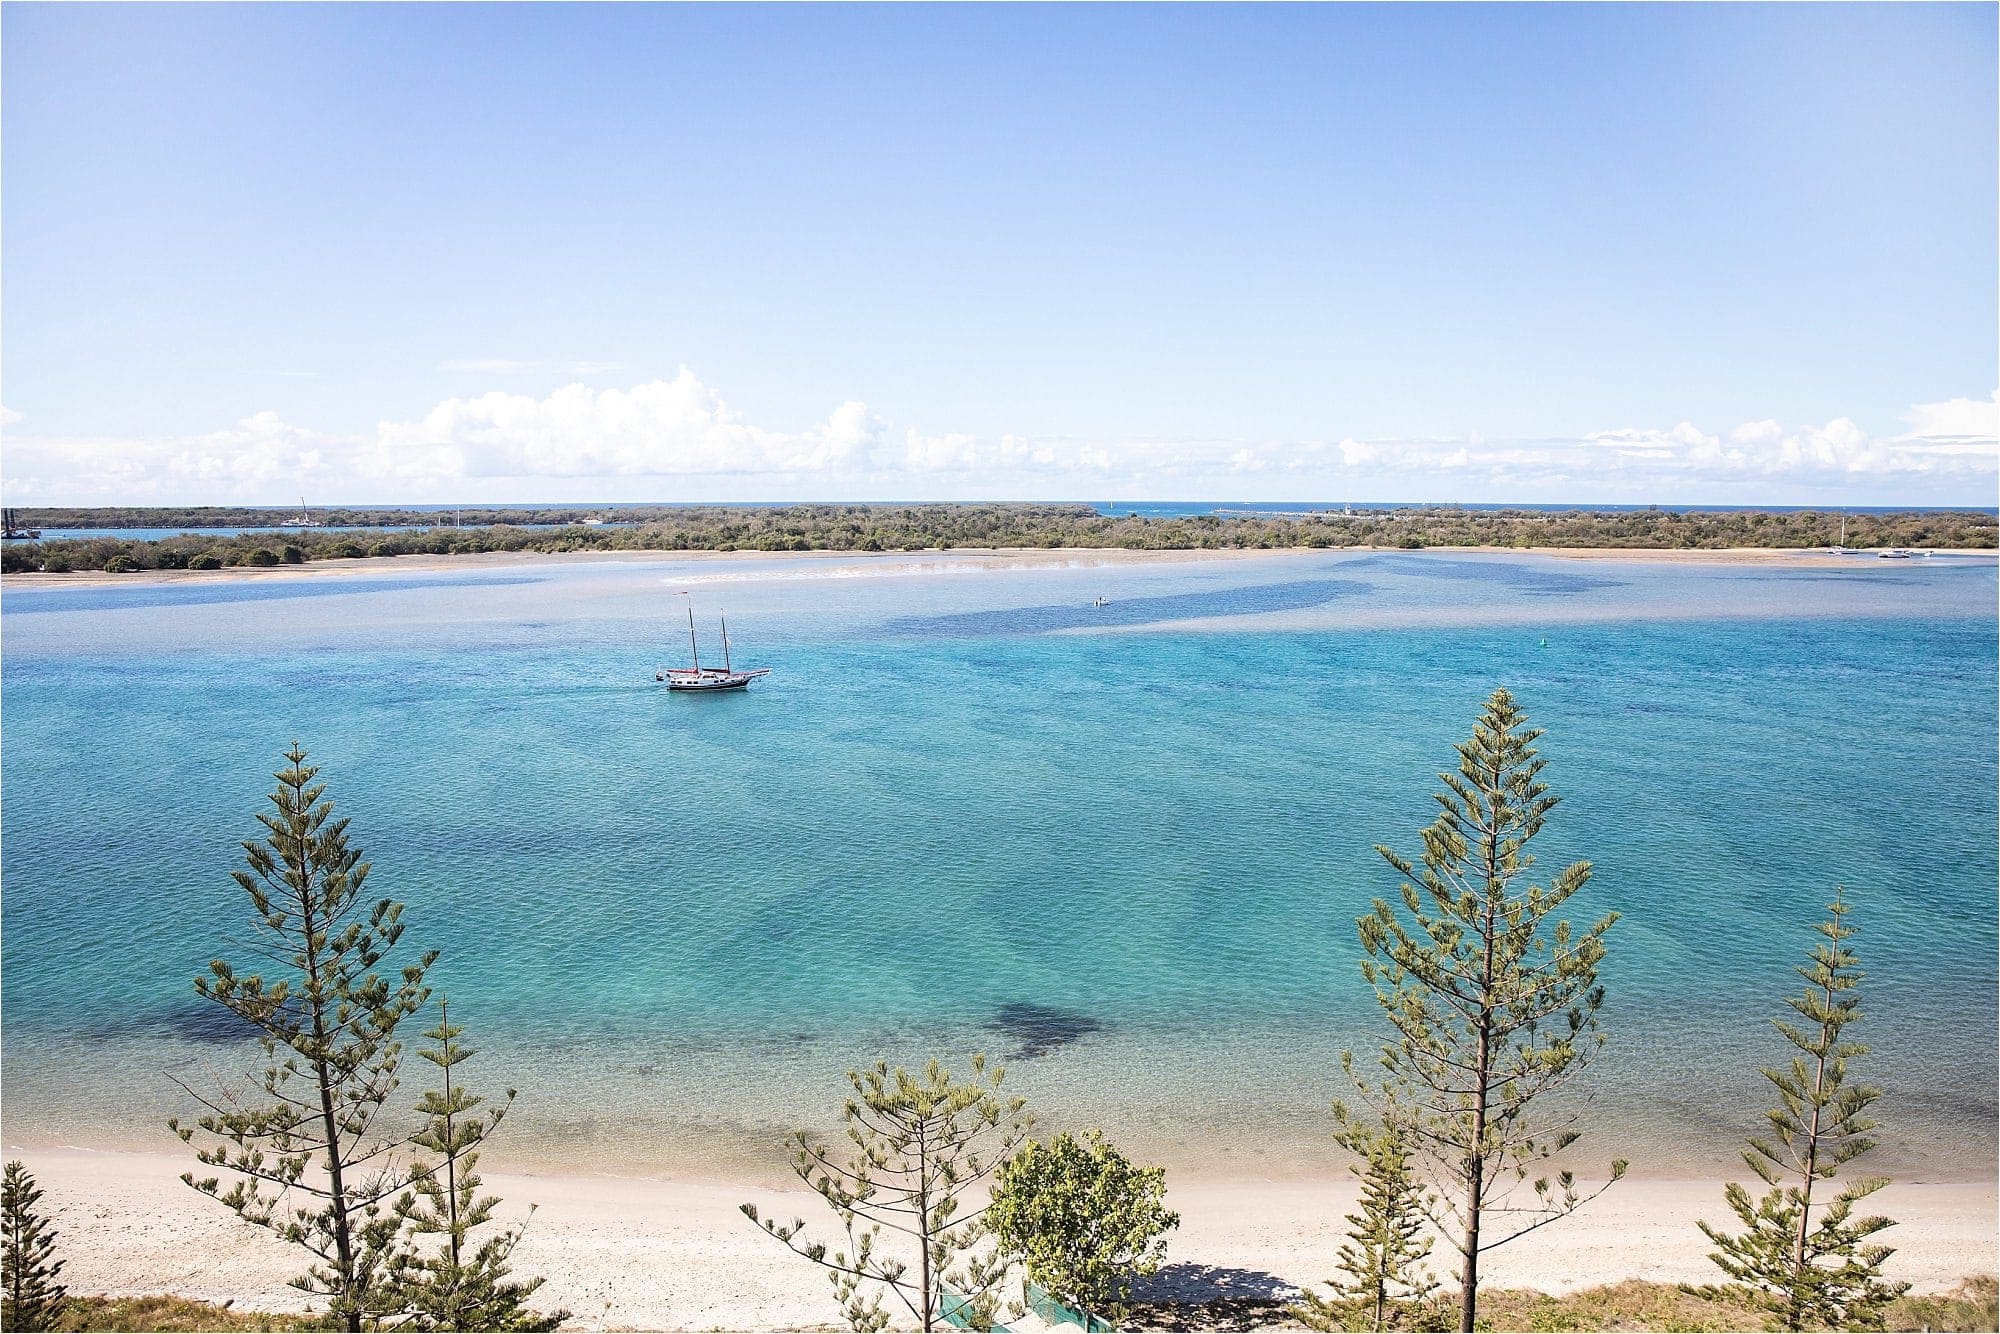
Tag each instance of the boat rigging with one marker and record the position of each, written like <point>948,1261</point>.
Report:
<point>700,678</point>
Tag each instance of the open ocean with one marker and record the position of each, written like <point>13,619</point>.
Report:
<point>1121,847</point>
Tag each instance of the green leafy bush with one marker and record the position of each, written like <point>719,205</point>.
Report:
<point>1084,1219</point>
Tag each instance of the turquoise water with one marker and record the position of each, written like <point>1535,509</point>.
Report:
<point>1122,846</point>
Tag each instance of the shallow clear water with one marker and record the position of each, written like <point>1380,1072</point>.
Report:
<point>1123,846</point>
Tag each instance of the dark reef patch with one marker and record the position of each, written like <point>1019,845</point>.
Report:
<point>1296,595</point>
<point>194,1020</point>
<point>1036,1030</point>
<point>1528,579</point>
<point>128,597</point>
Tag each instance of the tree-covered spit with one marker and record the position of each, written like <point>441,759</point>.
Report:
<point>923,527</point>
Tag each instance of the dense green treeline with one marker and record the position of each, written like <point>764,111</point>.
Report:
<point>354,516</point>
<point>944,526</point>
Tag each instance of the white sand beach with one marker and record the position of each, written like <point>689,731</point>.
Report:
<point>625,1253</point>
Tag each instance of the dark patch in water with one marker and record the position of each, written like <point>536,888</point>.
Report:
<point>203,1021</point>
<point>1297,595</point>
<point>1037,1030</point>
<point>786,1042</point>
<point>1520,578</point>
<point>26,601</point>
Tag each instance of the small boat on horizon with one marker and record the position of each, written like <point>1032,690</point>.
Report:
<point>303,519</point>
<point>1892,553</point>
<point>700,678</point>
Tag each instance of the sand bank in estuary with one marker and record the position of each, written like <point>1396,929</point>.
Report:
<point>960,559</point>
<point>675,1254</point>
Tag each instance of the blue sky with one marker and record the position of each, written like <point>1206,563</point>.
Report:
<point>625,252</point>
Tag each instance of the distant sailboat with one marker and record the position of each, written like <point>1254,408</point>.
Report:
<point>15,532</point>
<point>698,677</point>
<point>303,519</point>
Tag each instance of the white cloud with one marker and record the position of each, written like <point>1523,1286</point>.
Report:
<point>8,416</point>
<point>679,439</point>
<point>1957,426</point>
<point>663,428</point>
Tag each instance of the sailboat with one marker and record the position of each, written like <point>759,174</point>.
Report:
<point>1841,548</point>
<point>14,532</point>
<point>303,519</point>
<point>698,677</point>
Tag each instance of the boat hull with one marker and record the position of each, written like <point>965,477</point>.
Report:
<point>707,679</point>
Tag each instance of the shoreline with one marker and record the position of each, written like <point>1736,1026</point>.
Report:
<point>974,558</point>
<point>674,1253</point>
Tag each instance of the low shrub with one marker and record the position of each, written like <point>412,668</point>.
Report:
<point>175,1313</point>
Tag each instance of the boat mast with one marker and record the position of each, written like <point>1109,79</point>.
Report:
<point>725,641</point>
<point>693,647</point>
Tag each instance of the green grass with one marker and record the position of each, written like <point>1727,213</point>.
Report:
<point>175,1313</point>
<point>1632,1305</point>
<point>1636,1305</point>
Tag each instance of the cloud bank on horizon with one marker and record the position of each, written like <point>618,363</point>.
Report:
<point>677,439</point>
